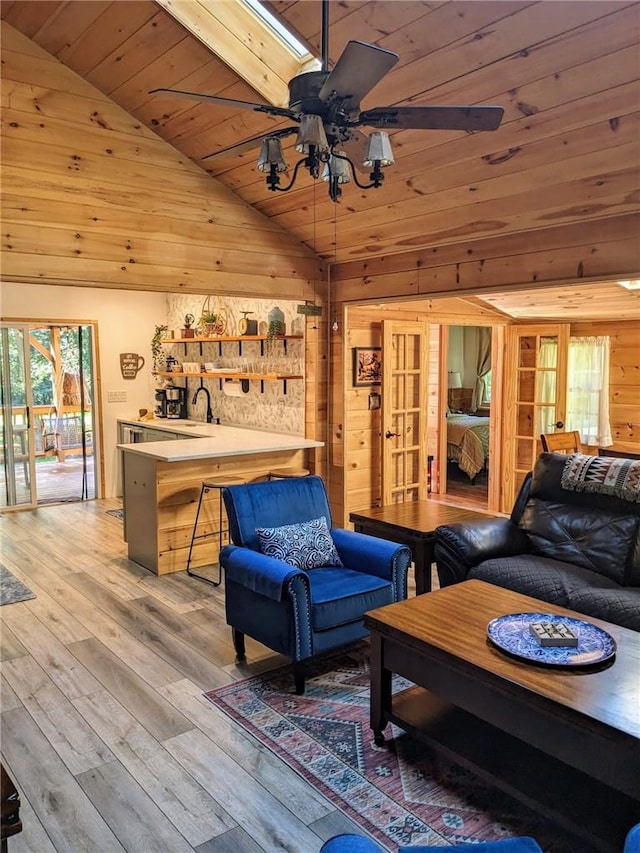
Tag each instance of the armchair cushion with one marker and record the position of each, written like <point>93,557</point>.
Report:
<point>307,545</point>
<point>340,596</point>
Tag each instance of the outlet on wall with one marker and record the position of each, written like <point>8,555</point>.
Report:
<point>116,396</point>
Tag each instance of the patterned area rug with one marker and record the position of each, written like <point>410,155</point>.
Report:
<point>402,794</point>
<point>116,513</point>
<point>12,590</point>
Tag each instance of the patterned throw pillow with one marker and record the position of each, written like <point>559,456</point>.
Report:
<point>306,546</point>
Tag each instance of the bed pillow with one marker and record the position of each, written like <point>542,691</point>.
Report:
<point>306,546</point>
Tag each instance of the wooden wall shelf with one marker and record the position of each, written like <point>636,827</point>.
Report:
<point>220,339</point>
<point>267,377</point>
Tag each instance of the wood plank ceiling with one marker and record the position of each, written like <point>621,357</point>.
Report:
<point>566,73</point>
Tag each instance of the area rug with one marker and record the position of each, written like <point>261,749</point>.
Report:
<point>12,590</point>
<point>403,794</point>
<point>116,513</point>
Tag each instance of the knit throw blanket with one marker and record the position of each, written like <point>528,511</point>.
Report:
<point>602,474</point>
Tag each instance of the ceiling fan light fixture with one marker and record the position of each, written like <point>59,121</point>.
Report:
<point>311,133</point>
<point>378,150</point>
<point>271,155</point>
<point>337,168</point>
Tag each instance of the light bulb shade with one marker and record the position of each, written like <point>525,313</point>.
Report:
<point>311,132</point>
<point>455,379</point>
<point>337,168</point>
<point>271,155</point>
<point>378,148</point>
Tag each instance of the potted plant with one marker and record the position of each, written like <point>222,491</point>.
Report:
<point>156,347</point>
<point>209,322</point>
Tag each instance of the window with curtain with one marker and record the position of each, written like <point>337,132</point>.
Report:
<point>588,390</point>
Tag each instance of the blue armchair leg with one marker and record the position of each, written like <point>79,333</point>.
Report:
<point>299,676</point>
<point>238,644</point>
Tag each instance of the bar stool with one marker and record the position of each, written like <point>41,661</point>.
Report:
<point>284,473</point>
<point>218,483</point>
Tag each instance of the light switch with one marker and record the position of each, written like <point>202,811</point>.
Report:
<point>116,396</point>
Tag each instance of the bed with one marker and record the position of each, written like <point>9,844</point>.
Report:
<point>468,442</point>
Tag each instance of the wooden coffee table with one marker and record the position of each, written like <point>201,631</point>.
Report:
<point>412,524</point>
<point>565,742</point>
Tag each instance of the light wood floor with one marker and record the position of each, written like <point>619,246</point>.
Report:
<point>104,727</point>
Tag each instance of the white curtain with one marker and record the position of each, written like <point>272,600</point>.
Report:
<point>588,390</point>
<point>483,367</point>
<point>546,391</point>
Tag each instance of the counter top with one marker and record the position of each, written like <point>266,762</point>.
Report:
<point>195,429</point>
<point>213,440</point>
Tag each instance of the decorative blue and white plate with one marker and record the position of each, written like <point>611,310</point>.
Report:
<point>511,634</point>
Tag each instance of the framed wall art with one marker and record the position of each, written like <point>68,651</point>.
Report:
<point>367,366</point>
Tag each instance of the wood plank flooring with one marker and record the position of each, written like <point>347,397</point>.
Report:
<point>104,727</point>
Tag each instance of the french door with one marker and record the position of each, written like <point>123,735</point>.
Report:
<point>17,475</point>
<point>404,411</point>
<point>535,397</point>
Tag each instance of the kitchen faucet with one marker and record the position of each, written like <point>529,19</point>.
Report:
<point>195,400</point>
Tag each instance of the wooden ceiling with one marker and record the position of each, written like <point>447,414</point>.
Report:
<point>566,73</point>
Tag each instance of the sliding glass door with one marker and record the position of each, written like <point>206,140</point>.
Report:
<point>17,474</point>
<point>48,425</point>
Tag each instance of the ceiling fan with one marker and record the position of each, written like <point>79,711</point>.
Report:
<point>326,108</point>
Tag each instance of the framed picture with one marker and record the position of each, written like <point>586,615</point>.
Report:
<point>367,365</point>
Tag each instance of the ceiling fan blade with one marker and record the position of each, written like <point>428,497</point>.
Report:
<point>360,67</point>
<point>247,144</point>
<point>229,102</point>
<point>434,117</point>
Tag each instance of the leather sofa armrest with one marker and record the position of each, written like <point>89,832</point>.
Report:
<point>459,547</point>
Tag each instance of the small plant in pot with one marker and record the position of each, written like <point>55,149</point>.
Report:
<point>209,322</point>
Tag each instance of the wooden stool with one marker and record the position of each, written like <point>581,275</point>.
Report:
<point>213,483</point>
<point>283,473</point>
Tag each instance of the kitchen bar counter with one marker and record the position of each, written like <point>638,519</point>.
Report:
<point>214,440</point>
<point>162,482</point>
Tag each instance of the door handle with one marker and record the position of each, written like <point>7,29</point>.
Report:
<point>559,424</point>
<point>389,434</point>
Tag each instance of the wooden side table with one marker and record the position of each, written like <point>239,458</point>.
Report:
<point>10,823</point>
<point>413,524</point>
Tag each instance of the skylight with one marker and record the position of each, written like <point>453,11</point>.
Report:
<point>283,33</point>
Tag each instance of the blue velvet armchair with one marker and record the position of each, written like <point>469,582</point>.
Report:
<point>296,585</point>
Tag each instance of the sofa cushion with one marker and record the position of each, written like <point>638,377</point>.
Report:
<point>341,596</point>
<point>306,545</point>
<point>600,539</point>
<point>541,577</point>
<point>620,606</point>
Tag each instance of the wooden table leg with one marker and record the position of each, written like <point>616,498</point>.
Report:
<point>380,691</point>
<point>422,550</point>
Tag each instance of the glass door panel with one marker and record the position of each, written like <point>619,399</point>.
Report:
<point>535,383</point>
<point>404,359</point>
<point>17,470</point>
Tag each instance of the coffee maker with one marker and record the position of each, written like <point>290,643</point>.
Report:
<point>176,398</point>
<point>161,403</point>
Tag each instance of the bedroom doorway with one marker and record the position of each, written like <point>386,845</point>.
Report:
<point>466,429</point>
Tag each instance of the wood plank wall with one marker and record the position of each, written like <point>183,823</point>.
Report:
<point>624,377</point>
<point>608,249</point>
<point>354,429</point>
<point>90,197</point>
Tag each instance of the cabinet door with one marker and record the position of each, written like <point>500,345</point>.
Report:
<point>149,434</point>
